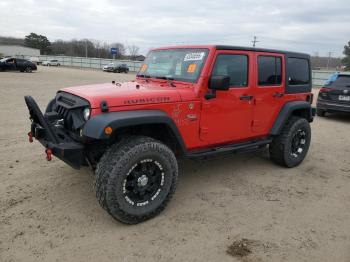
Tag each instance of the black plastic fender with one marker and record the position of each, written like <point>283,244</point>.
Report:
<point>287,110</point>
<point>94,127</point>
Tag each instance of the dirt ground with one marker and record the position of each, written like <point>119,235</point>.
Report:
<point>48,211</point>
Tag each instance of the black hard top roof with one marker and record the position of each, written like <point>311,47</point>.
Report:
<point>289,53</point>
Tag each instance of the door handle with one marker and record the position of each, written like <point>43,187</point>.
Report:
<point>245,97</point>
<point>278,94</point>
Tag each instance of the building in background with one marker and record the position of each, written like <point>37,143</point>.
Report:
<point>17,50</point>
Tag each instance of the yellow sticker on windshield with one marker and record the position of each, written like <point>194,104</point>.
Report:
<point>191,68</point>
<point>143,68</point>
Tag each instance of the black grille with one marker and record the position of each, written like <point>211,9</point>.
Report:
<point>66,100</point>
<point>63,112</point>
<point>69,108</point>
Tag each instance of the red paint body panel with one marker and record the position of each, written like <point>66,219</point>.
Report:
<point>202,123</point>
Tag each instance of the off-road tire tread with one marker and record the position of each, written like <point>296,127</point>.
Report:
<point>277,146</point>
<point>108,165</point>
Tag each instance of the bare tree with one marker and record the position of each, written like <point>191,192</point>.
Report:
<point>77,47</point>
<point>133,51</point>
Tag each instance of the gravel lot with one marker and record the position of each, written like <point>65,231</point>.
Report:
<point>48,211</point>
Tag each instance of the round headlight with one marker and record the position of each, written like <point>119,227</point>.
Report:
<point>86,113</point>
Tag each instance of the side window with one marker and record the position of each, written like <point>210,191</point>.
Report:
<point>234,66</point>
<point>269,70</point>
<point>298,71</point>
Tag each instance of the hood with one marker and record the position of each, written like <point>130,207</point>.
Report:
<point>128,93</point>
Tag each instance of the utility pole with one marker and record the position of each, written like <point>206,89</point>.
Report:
<point>329,59</point>
<point>86,49</point>
<point>255,41</point>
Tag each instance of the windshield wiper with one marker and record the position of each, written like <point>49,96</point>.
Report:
<point>170,80</point>
<point>164,77</point>
<point>144,76</point>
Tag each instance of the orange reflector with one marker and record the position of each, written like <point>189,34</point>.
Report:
<point>108,130</point>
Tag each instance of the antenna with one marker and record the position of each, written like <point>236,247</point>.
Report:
<point>255,41</point>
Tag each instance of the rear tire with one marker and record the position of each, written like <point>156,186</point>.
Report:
<point>135,179</point>
<point>290,147</point>
<point>320,112</point>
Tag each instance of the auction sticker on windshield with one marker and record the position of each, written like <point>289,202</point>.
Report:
<point>191,68</point>
<point>194,56</point>
<point>143,68</point>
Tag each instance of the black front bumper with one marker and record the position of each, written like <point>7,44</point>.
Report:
<point>54,138</point>
<point>332,106</point>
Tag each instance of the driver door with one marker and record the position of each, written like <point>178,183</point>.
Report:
<point>228,117</point>
<point>10,64</point>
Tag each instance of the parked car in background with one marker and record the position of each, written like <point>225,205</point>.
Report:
<point>17,64</point>
<point>35,60</point>
<point>109,68</point>
<point>116,68</point>
<point>52,62</point>
<point>335,95</point>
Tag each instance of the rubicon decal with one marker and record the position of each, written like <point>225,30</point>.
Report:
<point>147,100</point>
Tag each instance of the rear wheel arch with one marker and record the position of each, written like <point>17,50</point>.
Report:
<point>301,109</point>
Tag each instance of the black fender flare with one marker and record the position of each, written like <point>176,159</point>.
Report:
<point>94,127</point>
<point>287,110</point>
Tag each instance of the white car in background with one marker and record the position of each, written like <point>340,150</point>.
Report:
<point>52,62</point>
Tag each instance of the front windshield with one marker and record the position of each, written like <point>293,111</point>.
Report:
<point>174,64</point>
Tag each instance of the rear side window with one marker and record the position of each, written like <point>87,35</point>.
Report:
<point>269,70</point>
<point>298,71</point>
<point>234,66</point>
<point>342,81</point>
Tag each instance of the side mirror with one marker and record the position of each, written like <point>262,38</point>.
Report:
<point>219,83</point>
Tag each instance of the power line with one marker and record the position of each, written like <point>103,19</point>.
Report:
<point>329,58</point>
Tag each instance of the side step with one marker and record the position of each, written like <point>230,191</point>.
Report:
<point>246,146</point>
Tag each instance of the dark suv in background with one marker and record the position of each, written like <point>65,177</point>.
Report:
<point>116,68</point>
<point>335,95</point>
<point>17,64</point>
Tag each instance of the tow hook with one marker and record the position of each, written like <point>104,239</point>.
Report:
<point>30,137</point>
<point>48,152</point>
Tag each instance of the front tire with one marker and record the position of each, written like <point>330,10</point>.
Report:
<point>28,69</point>
<point>290,147</point>
<point>135,179</point>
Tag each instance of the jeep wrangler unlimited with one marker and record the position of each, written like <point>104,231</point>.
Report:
<point>187,101</point>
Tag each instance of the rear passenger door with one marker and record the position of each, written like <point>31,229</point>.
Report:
<point>268,89</point>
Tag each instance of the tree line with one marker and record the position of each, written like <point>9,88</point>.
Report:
<point>74,47</point>
<point>100,49</point>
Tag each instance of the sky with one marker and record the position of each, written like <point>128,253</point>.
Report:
<point>313,26</point>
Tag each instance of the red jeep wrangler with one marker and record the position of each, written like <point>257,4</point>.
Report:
<point>188,101</point>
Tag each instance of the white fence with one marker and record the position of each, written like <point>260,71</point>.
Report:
<point>83,62</point>
<point>318,76</point>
